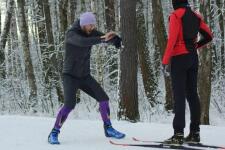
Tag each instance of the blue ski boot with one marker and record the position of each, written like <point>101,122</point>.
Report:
<point>111,132</point>
<point>53,137</point>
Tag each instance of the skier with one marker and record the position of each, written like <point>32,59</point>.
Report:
<point>76,73</point>
<point>181,54</point>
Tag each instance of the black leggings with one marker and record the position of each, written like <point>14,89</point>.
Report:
<point>87,84</point>
<point>184,73</point>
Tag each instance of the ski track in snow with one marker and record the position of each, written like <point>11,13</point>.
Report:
<point>30,133</point>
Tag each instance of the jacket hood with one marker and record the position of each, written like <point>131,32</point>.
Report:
<point>76,26</point>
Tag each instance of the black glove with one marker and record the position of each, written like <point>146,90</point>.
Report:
<point>116,41</point>
<point>166,70</point>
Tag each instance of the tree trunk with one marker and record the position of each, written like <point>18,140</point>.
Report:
<point>100,53</point>
<point>160,45</point>
<point>42,38</point>
<point>110,15</point>
<point>22,23</point>
<point>128,59</point>
<point>111,26</point>
<point>205,69</point>
<point>222,30</point>
<point>72,8</point>
<point>16,70</point>
<point>3,38</point>
<point>13,57</point>
<point>83,6</point>
<point>117,15</point>
<point>63,6</point>
<point>144,57</point>
<point>0,21</point>
<point>53,71</point>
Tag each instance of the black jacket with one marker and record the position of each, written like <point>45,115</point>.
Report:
<point>78,49</point>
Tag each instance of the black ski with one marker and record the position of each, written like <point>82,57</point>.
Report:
<point>206,146</point>
<point>156,145</point>
<point>189,144</point>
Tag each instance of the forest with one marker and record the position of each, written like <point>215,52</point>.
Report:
<point>32,36</point>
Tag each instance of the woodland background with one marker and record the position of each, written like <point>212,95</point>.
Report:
<point>32,48</point>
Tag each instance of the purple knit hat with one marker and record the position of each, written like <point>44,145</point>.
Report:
<point>87,18</point>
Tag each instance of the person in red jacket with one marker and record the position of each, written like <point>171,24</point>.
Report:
<point>181,54</point>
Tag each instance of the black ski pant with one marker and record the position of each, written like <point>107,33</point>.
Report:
<point>87,84</point>
<point>184,73</point>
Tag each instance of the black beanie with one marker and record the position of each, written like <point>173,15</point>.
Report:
<point>179,3</point>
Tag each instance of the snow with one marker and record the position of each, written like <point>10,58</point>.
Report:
<point>30,133</point>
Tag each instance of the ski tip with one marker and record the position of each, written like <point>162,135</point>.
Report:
<point>135,139</point>
<point>111,142</point>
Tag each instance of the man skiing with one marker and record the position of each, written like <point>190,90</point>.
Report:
<point>76,73</point>
<point>181,54</point>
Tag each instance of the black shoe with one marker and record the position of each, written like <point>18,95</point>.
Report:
<point>193,137</point>
<point>176,139</point>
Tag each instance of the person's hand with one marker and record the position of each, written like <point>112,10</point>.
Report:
<point>108,36</point>
<point>166,70</point>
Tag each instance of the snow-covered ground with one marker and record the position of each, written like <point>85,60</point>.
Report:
<point>30,133</point>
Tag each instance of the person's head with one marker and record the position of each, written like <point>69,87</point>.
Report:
<point>87,22</point>
<point>179,3</point>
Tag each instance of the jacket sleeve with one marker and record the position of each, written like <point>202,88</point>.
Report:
<point>97,33</point>
<point>174,28</point>
<point>206,34</point>
<point>75,39</point>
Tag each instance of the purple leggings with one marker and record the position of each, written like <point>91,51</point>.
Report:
<point>64,112</point>
<point>105,112</point>
<point>61,117</point>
